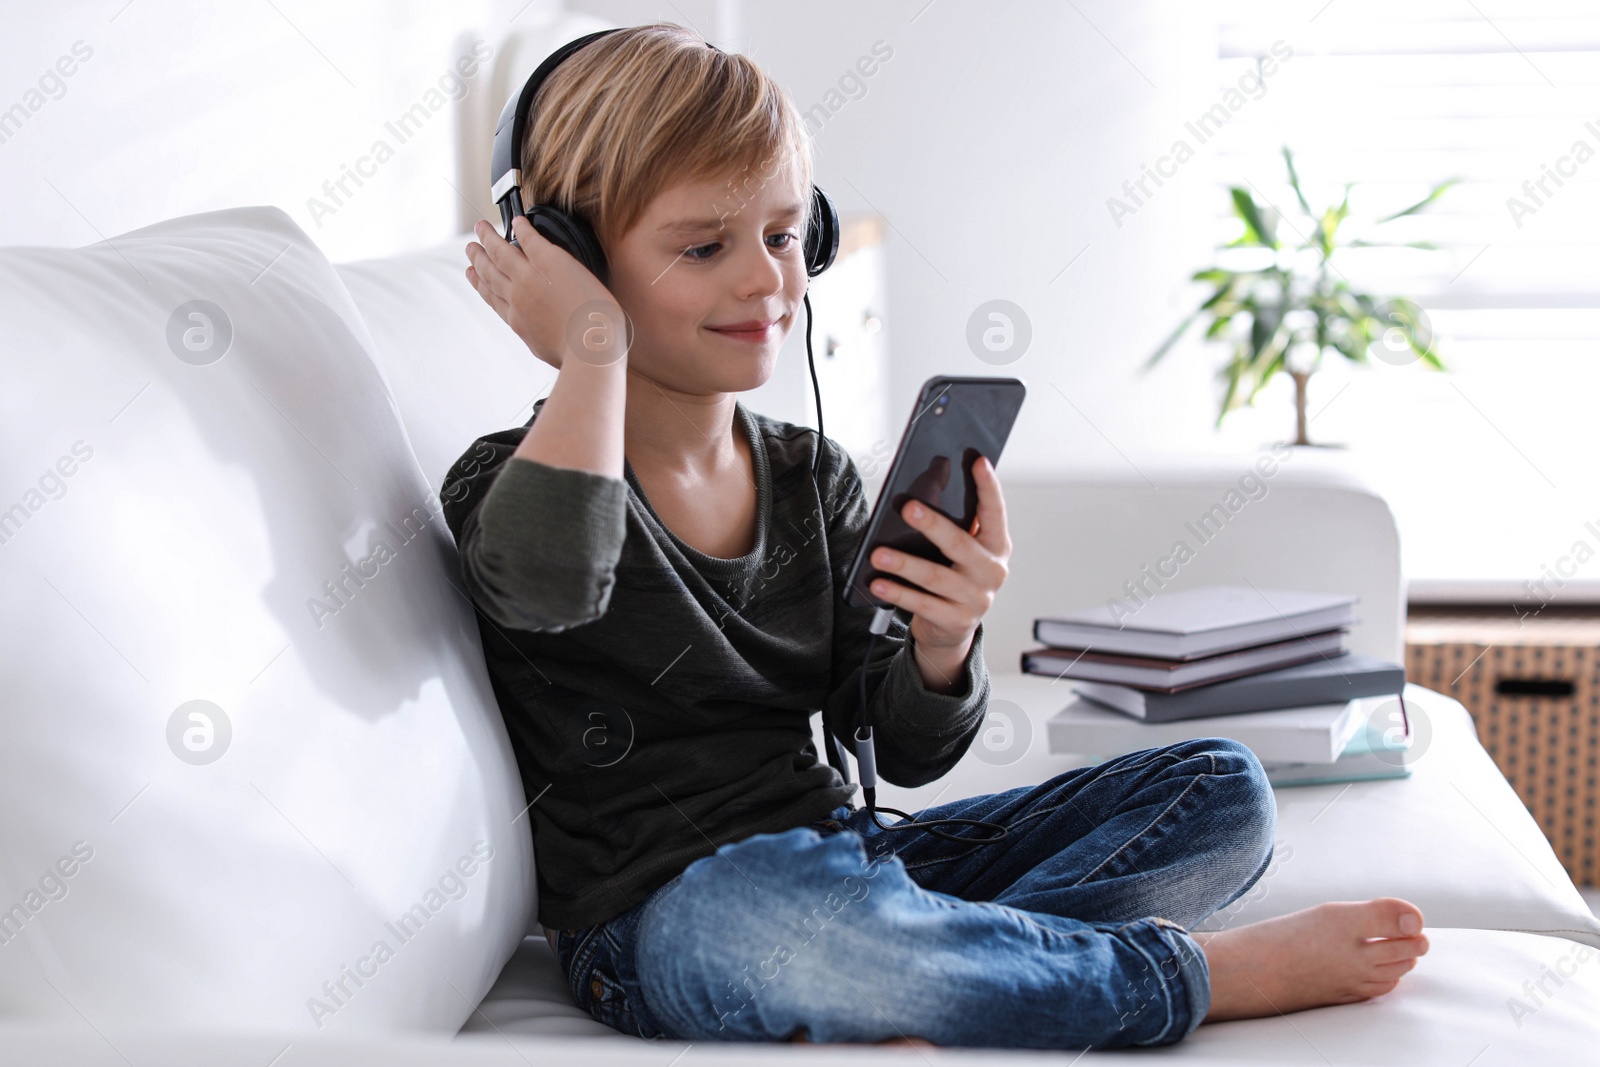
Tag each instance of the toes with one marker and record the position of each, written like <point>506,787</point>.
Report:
<point>1381,917</point>
<point>1377,988</point>
<point>1386,971</point>
<point>1392,949</point>
<point>1396,917</point>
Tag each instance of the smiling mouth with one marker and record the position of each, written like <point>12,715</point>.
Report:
<point>746,335</point>
<point>751,333</point>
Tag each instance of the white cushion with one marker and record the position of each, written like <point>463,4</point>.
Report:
<point>1464,1003</point>
<point>531,998</point>
<point>456,370</point>
<point>1465,994</point>
<point>173,519</point>
<point>1453,838</point>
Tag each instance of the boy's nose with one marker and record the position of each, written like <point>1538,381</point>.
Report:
<point>764,275</point>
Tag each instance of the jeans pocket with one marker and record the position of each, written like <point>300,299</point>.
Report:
<point>594,982</point>
<point>608,1002</point>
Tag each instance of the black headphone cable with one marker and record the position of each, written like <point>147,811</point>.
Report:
<point>866,760</point>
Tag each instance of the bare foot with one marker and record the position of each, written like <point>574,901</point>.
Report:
<point>1335,953</point>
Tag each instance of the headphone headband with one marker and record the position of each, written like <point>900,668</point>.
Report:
<point>505,172</point>
<point>505,169</point>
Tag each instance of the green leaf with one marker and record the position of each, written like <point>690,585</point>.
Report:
<point>1350,349</point>
<point>1171,340</point>
<point>1345,319</point>
<point>1424,352</point>
<point>1431,359</point>
<point>1265,375</point>
<point>1264,329</point>
<point>1328,225</point>
<point>1294,181</point>
<point>1233,371</point>
<point>1360,243</point>
<point>1244,205</point>
<point>1434,194</point>
<point>1217,297</point>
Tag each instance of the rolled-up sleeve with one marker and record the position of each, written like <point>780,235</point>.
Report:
<point>538,544</point>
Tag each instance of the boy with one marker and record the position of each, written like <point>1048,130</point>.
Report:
<point>658,582</point>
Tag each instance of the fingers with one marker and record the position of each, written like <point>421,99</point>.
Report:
<point>938,611</point>
<point>994,531</point>
<point>531,245</point>
<point>488,269</point>
<point>966,552</point>
<point>489,296</point>
<point>936,578</point>
<point>953,541</point>
<point>502,262</point>
<point>499,250</point>
<point>990,541</point>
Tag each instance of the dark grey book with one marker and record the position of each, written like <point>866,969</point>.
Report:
<point>1322,681</point>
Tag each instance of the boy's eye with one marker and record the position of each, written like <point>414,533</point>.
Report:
<point>706,251</point>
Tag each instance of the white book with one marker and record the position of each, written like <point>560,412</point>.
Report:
<point>1314,733</point>
<point>1186,623</point>
<point>1382,748</point>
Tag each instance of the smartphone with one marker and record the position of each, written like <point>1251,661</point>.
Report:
<point>955,420</point>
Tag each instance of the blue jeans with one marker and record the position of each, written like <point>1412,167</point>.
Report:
<point>1069,933</point>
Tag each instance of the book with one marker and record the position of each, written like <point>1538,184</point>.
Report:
<point>1320,681</point>
<point>1171,675</point>
<point>1381,749</point>
<point>1310,734</point>
<point>1196,622</point>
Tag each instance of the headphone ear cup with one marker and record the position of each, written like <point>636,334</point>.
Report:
<point>822,240</point>
<point>574,234</point>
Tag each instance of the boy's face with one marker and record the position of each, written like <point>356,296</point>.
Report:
<point>707,255</point>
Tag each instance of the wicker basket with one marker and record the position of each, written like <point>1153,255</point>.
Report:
<point>1532,684</point>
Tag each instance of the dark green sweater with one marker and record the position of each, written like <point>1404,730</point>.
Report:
<point>659,700</point>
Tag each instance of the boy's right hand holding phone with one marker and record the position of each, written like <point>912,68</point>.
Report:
<point>547,297</point>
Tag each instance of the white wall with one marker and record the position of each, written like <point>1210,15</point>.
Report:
<point>991,140</point>
<point>182,108</point>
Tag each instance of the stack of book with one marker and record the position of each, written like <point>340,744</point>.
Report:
<point>1265,667</point>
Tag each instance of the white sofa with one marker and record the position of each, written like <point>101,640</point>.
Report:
<point>365,761</point>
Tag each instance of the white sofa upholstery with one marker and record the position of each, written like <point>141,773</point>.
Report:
<point>1479,866</point>
<point>1079,537</point>
<point>253,771</point>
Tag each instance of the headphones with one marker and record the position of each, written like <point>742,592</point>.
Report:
<point>572,232</point>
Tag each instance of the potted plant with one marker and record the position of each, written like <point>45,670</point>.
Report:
<point>1294,305</point>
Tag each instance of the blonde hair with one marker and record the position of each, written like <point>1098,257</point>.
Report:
<point>647,108</point>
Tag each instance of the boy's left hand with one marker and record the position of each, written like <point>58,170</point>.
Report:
<point>945,618</point>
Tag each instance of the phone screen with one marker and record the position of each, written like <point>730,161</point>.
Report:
<point>955,421</point>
